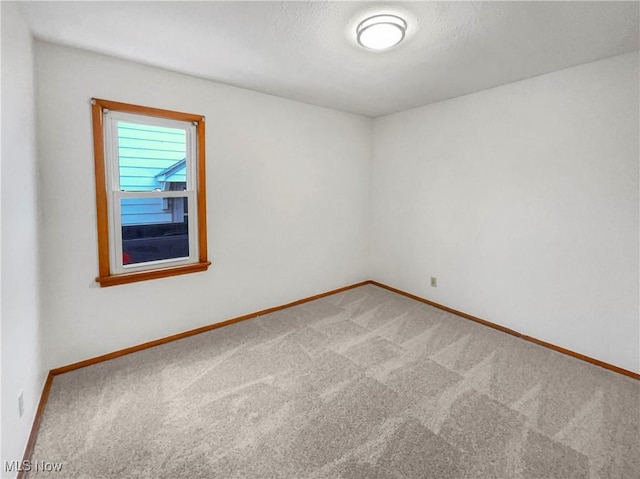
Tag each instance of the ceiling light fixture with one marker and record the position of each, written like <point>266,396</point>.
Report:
<point>381,32</point>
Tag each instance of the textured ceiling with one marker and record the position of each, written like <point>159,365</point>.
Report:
<point>306,51</point>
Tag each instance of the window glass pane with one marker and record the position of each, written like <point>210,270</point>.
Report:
<point>151,157</point>
<point>154,229</point>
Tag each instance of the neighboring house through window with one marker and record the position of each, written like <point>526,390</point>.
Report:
<point>150,192</point>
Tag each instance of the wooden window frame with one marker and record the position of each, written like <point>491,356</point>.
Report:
<point>106,277</point>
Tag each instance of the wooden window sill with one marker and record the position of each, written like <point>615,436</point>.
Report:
<point>125,278</point>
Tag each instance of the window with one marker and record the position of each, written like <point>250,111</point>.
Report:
<point>150,192</point>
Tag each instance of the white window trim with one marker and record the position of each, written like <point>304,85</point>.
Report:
<point>115,195</point>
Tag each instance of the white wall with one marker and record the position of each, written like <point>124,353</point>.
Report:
<point>287,205</point>
<point>523,202</point>
<point>21,367</point>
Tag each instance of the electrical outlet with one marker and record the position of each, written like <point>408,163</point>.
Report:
<point>434,282</point>
<point>20,403</point>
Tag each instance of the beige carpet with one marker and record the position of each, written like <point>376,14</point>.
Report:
<point>361,384</point>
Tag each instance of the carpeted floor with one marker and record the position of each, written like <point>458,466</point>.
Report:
<point>361,384</point>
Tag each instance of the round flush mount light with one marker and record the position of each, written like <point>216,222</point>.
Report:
<point>381,32</point>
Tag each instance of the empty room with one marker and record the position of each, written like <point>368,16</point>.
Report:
<point>311,239</point>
